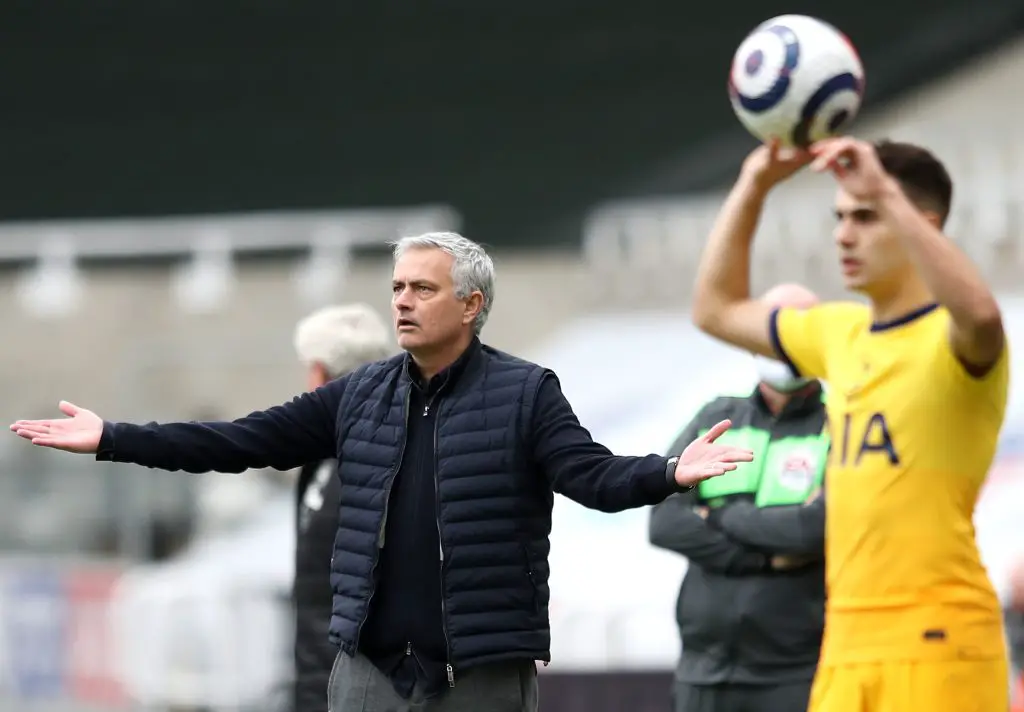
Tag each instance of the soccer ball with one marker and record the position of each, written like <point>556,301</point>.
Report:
<point>796,79</point>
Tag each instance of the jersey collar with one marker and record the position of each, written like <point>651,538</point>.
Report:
<point>907,318</point>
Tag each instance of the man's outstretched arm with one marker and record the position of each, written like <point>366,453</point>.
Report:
<point>587,472</point>
<point>281,437</point>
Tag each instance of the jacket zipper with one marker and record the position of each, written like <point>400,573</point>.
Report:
<point>531,577</point>
<point>384,519</point>
<point>440,541</point>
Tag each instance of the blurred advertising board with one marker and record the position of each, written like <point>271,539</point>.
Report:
<point>55,644</point>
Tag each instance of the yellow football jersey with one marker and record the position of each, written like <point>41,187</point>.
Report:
<point>913,437</point>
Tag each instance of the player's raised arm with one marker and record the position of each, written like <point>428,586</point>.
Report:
<point>723,306</point>
<point>916,215</point>
<point>281,437</point>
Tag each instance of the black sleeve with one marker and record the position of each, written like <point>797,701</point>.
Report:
<point>790,529</point>
<point>282,437</point>
<point>674,526</point>
<point>584,470</point>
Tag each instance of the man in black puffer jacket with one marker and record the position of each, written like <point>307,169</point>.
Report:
<point>330,343</point>
<point>449,458</point>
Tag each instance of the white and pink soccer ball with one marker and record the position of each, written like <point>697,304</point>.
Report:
<point>796,79</point>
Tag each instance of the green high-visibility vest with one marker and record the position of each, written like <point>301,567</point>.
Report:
<point>787,468</point>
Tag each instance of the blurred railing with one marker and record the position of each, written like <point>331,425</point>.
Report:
<point>644,249</point>
<point>648,249</point>
<point>210,324</point>
<point>206,246</point>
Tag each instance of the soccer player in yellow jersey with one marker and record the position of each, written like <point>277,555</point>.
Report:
<point>918,383</point>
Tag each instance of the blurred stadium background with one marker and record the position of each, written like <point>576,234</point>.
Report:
<point>183,180</point>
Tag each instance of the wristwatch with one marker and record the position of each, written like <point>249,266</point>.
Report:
<point>670,474</point>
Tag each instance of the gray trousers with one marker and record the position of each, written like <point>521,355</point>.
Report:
<point>788,697</point>
<point>357,685</point>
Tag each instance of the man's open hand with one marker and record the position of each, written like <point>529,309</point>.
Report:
<point>80,432</point>
<point>704,458</point>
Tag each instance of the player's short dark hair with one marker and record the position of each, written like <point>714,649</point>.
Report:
<point>921,175</point>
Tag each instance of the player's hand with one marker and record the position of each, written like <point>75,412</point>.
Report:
<point>80,432</point>
<point>704,458</point>
<point>770,164</point>
<point>855,166</point>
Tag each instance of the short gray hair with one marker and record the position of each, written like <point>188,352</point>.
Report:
<point>472,267</point>
<point>342,338</point>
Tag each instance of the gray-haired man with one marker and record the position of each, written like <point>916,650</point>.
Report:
<point>329,343</point>
<point>449,458</point>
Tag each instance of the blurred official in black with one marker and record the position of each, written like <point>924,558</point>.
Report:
<point>329,343</point>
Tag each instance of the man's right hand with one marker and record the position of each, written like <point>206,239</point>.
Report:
<point>704,458</point>
<point>80,432</point>
<point>770,164</point>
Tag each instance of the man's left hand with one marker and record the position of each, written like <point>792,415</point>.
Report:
<point>703,458</point>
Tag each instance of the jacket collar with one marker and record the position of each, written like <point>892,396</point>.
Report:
<point>448,376</point>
